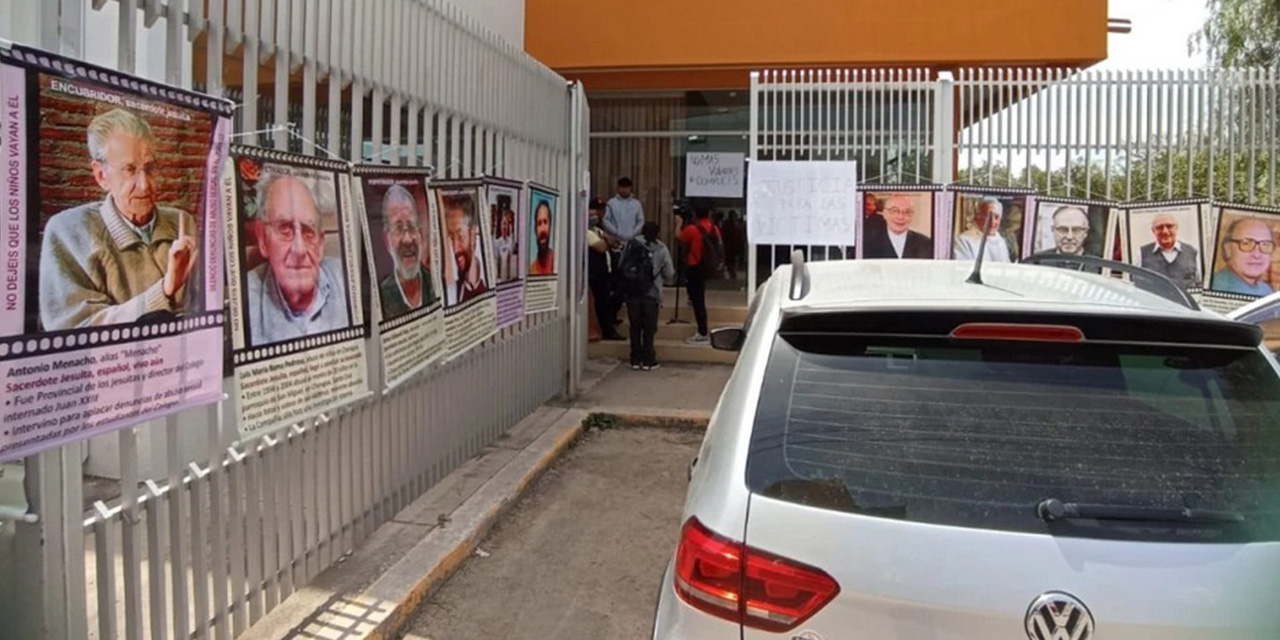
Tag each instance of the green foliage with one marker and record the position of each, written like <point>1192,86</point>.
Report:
<point>600,421</point>
<point>1175,173</point>
<point>1240,33</point>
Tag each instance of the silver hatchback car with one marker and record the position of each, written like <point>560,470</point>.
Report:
<point>901,454</point>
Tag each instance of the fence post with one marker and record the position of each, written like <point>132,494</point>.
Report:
<point>944,128</point>
<point>751,157</point>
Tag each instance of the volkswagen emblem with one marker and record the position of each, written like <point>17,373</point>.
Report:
<point>1059,616</point>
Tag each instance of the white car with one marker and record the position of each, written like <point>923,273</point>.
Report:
<point>903,454</point>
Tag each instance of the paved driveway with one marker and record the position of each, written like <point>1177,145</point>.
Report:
<point>581,557</point>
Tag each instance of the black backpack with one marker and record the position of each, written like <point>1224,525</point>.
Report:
<point>635,269</point>
<point>712,252</point>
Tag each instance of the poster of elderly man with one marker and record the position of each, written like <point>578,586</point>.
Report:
<point>1001,211</point>
<point>1245,263</point>
<point>466,269</point>
<point>112,290</point>
<point>296,286</point>
<point>399,228</point>
<point>1167,238</point>
<point>900,223</point>
<point>1070,227</point>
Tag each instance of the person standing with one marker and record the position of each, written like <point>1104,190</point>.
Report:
<point>600,273</point>
<point>695,238</point>
<point>734,243</point>
<point>624,215</point>
<point>646,262</point>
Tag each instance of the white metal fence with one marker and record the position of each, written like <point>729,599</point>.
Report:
<point>1118,135</point>
<point>223,532</point>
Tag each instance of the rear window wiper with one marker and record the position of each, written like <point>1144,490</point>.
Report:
<point>1053,509</point>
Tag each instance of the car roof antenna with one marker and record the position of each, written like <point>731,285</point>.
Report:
<point>976,276</point>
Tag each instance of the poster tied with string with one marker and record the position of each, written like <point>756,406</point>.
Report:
<point>112,287</point>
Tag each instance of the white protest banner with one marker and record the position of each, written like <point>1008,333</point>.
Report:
<point>802,203</point>
<point>714,175</point>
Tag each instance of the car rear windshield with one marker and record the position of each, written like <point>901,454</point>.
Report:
<point>977,434</point>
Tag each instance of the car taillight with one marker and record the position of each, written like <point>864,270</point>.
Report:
<point>1018,332</point>
<point>737,583</point>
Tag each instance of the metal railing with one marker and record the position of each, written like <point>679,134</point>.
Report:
<point>1115,135</point>
<point>223,531</point>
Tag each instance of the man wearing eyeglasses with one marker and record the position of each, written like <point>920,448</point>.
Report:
<point>894,238</point>
<point>124,257</point>
<point>408,287</point>
<point>299,292</point>
<point>1247,248</point>
<point>1070,230</point>
<point>1168,256</point>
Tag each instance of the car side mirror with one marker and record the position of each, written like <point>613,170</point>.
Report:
<point>728,339</point>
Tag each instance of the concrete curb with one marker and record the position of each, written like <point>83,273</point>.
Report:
<point>657,418</point>
<point>389,603</point>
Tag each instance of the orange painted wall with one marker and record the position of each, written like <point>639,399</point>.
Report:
<point>577,37</point>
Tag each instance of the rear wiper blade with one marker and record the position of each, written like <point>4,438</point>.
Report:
<point>1053,509</point>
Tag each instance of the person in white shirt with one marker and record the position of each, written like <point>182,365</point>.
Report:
<point>990,212</point>
<point>624,215</point>
<point>1169,256</point>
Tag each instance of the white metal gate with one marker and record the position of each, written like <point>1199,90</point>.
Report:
<point>1119,135</point>
<point>220,533</point>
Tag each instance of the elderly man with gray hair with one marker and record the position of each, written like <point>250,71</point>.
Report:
<point>123,258</point>
<point>408,287</point>
<point>299,291</point>
<point>989,214</point>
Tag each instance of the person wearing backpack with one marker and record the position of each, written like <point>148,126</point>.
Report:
<point>704,258</point>
<point>644,264</point>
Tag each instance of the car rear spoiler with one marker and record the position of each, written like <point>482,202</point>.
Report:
<point>1096,327</point>
<point>1144,279</point>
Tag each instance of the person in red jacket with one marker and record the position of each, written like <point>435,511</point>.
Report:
<point>695,272</point>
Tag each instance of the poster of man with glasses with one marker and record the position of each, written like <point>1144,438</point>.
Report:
<point>1245,258</point>
<point>400,229</point>
<point>1168,238</point>
<point>1072,227</point>
<point>297,288</point>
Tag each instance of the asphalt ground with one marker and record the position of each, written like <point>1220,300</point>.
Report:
<point>581,556</point>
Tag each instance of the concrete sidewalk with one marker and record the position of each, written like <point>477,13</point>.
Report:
<point>376,591</point>
<point>581,556</point>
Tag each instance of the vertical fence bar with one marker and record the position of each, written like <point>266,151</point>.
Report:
<point>1273,125</point>
<point>155,564</point>
<point>105,554</point>
<point>1109,118</point>
<point>1232,113</point>
<point>282,53</point>
<point>239,554</point>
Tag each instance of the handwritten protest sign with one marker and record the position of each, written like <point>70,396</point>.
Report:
<point>802,203</point>
<point>714,175</point>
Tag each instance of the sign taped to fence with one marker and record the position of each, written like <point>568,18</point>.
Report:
<point>112,285</point>
<point>1244,264</point>
<point>297,288</point>
<point>507,226</point>
<point>394,205</point>
<point>714,175</point>
<point>467,270</point>
<point>802,203</point>
<point>543,287</point>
